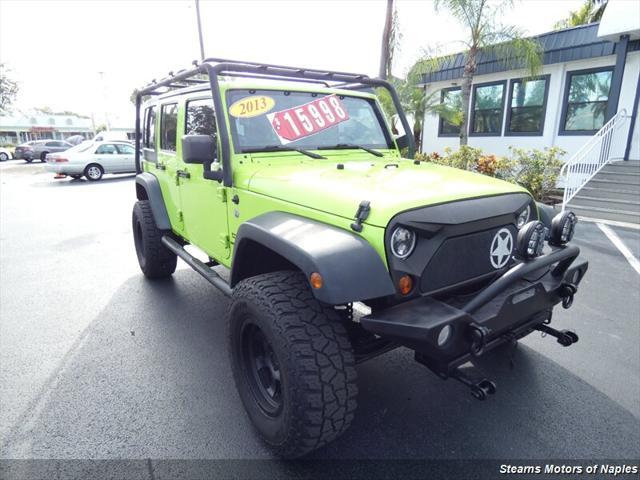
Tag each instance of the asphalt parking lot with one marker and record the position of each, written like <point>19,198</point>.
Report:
<point>97,362</point>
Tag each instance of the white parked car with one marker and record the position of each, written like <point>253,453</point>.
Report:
<point>93,159</point>
<point>5,154</point>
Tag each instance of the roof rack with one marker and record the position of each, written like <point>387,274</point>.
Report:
<point>220,67</point>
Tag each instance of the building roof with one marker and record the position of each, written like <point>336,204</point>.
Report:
<point>27,120</point>
<point>567,45</point>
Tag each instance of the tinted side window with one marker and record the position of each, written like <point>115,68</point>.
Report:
<point>168,127</point>
<point>149,138</point>
<point>51,144</point>
<point>200,118</point>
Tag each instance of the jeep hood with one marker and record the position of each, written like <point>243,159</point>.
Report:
<point>391,186</point>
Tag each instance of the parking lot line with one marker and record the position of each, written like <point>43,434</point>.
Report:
<point>619,244</point>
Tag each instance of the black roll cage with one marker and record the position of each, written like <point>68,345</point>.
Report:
<point>217,67</point>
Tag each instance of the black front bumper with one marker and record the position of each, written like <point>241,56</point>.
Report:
<point>511,307</point>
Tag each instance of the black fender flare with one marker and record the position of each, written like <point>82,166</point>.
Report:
<point>351,268</point>
<point>148,183</point>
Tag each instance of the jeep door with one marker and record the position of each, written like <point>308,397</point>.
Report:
<point>167,163</point>
<point>202,201</point>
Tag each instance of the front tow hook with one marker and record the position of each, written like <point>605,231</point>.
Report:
<point>470,376</point>
<point>467,374</point>
<point>566,338</point>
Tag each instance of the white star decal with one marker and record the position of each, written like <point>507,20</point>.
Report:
<point>501,248</point>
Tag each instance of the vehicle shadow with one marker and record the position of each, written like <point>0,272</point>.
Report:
<point>70,182</point>
<point>150,378</point>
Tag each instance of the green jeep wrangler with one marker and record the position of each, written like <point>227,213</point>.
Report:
<point>333,247</point>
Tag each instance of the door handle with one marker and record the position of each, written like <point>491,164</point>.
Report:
<point>183,174</point>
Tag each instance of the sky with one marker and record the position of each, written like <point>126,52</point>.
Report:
<point>88,56</point>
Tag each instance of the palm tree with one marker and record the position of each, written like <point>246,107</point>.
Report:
<point>486,34</point>
<point>590,11</point>
<point>391,37</point>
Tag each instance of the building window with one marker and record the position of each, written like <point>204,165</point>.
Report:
<point>168,127</point>
<point>527,106</point>
<point>586,100</point>
<point>488,105</point>
<point>451,101</point>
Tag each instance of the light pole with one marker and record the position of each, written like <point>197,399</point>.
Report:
<point>104,99</point>
<point>199,29</point>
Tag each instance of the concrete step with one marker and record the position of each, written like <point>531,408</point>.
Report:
<point>621,167</point>
<point>607,192</point>
<point>604,213</point>
<point>625,177</point>
<point>614,185</point>
<point>612,203</point>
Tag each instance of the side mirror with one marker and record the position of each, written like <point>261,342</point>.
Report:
<point>402,141</point>
<point>201,149</point>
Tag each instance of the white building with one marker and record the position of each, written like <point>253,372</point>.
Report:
<point>589,74</point>
<point>24,126</point>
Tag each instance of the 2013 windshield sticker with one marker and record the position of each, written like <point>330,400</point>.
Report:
<point>252,106</point>
<point>308,119</point>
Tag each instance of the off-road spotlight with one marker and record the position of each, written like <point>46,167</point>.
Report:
<point>531,240</point>
<point>563,226</point>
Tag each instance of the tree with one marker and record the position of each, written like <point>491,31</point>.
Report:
<point>132,97</point>
<point>391,38</point>
<point>486,34</point>
<point>101,128</point>
<point>591,11</point>
<point>8,89</point>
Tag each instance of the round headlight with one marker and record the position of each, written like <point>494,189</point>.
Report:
<point>523,217</point>
<point>531,240</point>
<point>563,226</point>
<point>403,241</point>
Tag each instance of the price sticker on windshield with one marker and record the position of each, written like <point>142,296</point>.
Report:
<point>308,119</point>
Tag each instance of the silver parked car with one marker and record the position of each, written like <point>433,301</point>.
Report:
<point>93,159</point>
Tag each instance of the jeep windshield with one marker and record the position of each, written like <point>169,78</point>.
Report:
<point>262,120</point>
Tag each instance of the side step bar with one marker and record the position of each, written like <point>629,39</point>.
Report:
<point>210,275</point>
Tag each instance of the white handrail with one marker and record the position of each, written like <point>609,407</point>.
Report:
<point>591,158</point>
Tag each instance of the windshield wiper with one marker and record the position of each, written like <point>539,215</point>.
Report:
<point>282,148</point>
<point>352,145</point>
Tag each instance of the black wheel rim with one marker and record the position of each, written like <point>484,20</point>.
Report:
<point>262,369</point>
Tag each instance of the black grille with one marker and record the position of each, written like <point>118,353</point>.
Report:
<point>462,258</point>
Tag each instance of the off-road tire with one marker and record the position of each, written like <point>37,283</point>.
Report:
<point>316,363</point>
<point>155,260</point>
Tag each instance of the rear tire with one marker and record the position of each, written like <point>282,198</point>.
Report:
<point>3,157</point>
<point>155,260</point>
<point>93,172</point>
<point>292,363</point>
<point>43,157</point>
